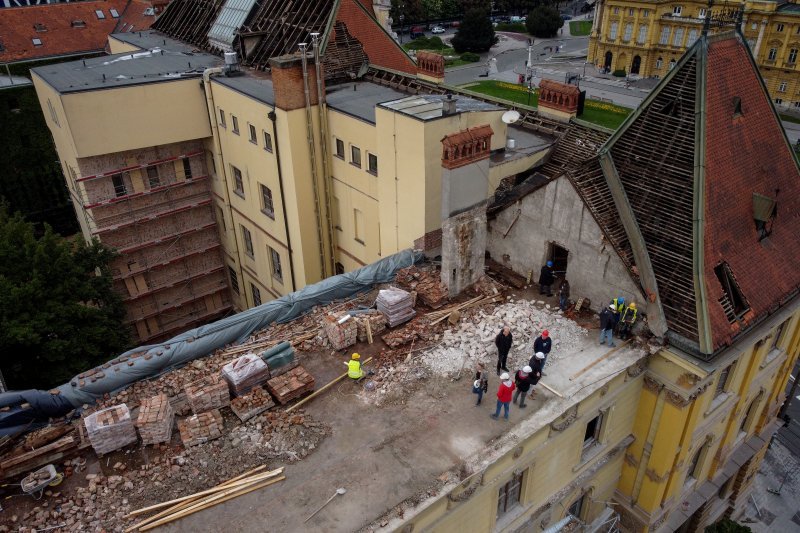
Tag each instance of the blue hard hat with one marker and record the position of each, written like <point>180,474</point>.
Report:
<point>621,300</point>
<point>549,263</point>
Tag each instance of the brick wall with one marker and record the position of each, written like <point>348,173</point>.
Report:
<point>287,81</point>
<point>429,241</point>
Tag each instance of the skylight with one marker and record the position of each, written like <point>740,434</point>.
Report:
<point>100,14</point>
<point>114,13</point>
<point>36,41</point>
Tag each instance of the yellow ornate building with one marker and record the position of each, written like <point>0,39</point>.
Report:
<point>647,38</point>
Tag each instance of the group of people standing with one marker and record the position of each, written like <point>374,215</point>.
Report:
<point>617,316</point>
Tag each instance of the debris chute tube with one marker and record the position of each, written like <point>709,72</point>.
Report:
<point>150,361</point>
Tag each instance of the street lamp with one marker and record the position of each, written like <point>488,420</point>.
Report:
<point>402,17</point>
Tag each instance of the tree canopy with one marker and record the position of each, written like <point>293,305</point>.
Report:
<point>475,34</point>
<point>544,22</point>
<point>59,314</point>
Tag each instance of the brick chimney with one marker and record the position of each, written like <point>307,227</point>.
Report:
<point>287,81</point>
<point>430,67</point>
<point>558,100</point>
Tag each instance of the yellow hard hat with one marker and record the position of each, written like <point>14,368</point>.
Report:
<point>356,356</point>
<point>633,305</point>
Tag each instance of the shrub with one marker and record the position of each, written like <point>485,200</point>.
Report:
<point>515,28</point>
<point>544,21</point>
<point>619,73</point>
<point>470,57</point>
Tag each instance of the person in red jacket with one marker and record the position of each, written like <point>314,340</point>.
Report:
<point>504,394</point>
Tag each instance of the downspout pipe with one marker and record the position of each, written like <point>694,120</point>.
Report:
<point>274,117</point>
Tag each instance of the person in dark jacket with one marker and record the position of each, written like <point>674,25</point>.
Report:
<point>535,375</point>
<point>546,279</point>
<point>543,343</point>
<point>607,323</point>
<point>503,343</point>
<point>481,382</point>
<point>522,381</point>
<point>563,295</point>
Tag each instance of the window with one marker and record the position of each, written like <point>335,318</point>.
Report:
<point>187,169</point>
<point>152,177</point>
<point>793,55</point>
<point>723,380</point>
<point>238,182</point>
<point>664,36</point>
<point>253,138</point>
<point>576,509</point>
<point>616,11</point>
<point>732,300</point>
<point>630,12</point>
<point>222,119</point>
<point>355,156</point>
<point>748,415</point>
<point>777,337</point>
<point>645,13</point>
<point>36,41</point>
<point>737,107</point>
<point>509,495</point>
<point>78,24</point>
<point>782,87</point>
<point>234,280</point>
<point>340,148</point>
<point>39,27</point>
<point>256,295</point>
<point>339,268</point>
<point>779,101</point>
<point>796,104</point>
<point>592,433</point>
<point>221,219</point>
<point>612,33</point>
<point>702,13</point>
<point>677,38</point>
<point>779,28</point>
<point>275,264</point>
<point>53,114</point>
<point>358,225</point>
<point>119,185</point>
<point>266,202</point>
<point>659,63</point>
<point>642,34</point>
<point>267,142</point>
<point>114,13</point>
<point>247,238</point>
<point>100,14</point>
<point>628,32</point>
<point>773,53</point>
<point>676,11</point>
<point>235,124</point>
<point>694,466</point>
<point>692,38</point>
<point>372,164</point>
<point>671,64</point>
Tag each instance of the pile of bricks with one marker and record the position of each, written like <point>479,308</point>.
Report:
<point>427,284</point>
<point>419,328</point>
<point>396,304</point>
<point>291,385</point>
<point>155,419</point>
<point>201,428</point>
<point>244,373</point>
<point>209,392</point>
<point>110,429</point>
<point>341,330</point>
<point>249,405</point>
<point>377,324</point>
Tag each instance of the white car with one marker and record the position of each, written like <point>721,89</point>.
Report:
<point>437,29</point>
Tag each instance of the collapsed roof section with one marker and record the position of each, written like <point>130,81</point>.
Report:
<point>350,36</point>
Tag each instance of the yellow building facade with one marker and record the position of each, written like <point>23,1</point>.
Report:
<point>646,39</point>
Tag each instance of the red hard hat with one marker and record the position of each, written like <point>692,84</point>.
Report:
<point>545,334</point>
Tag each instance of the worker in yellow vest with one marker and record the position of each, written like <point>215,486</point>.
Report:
<point>627,320</point>
<point>354,367</point>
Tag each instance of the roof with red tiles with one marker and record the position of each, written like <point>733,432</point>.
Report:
<point>139,15</point>
<point>52,30</point>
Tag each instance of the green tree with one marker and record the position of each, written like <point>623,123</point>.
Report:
<point>544,21</point>
<point>727,525</point>
<point>58,312</point>
<point>475,34</point>
<point>431,9</point>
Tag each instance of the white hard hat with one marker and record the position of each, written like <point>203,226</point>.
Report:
<point>611,306</point>
<point>539,355</point>
<point>527,369</point>
<point>504,376</point>
<point>477,383</point>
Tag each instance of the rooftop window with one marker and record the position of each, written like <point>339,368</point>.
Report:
<point>732,300</point>
<point>737,107</point>
<point>36,42</point>
<point>78,24</point>
<point>765,210</point>
<point>114,13</point>
<point>100,14</point>
<point>39,27</point>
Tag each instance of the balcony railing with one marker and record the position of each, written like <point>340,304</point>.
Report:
<point>681,18</point>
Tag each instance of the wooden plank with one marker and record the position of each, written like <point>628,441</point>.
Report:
<point>53,446</point>
<point>603,358</point>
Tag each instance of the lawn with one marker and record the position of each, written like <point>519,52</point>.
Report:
<point>594,111</point>
<point>580,27</point>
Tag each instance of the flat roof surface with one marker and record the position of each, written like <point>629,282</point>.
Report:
<point>360,102</point>
<point>429,106</point>
<point>161,59</point>
<point>252,83</point>
<point>526,143</point>
<point>7,82</point>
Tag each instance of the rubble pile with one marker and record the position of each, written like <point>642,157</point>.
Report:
<point>473,340</point>
<point>244,373</point>
<point>208,392</point>
<point>110,429</point>
<point>341,330</point>
<point>155,420</point>
<point>377,324</point>
<point>419,328</point>
<point>201,428</point>
<point>291,385</point>
<point>393,383</point>
<point>249,405</point>
<point>396,304</point>
<point>426,282</point>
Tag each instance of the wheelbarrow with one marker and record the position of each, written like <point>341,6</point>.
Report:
<point>34,483</point>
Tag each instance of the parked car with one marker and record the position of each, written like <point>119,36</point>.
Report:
<point>565,16</point>
<point>416,32</point>
<point>437,29</point>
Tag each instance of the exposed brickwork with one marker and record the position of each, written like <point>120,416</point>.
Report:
<point>201,428</point>
<point>210,392</point>
<point>559,96</point>
<point>467,146</point>
<point>110,429</point>
<point>254,402</point>
<point>341,335</point>
<point>744,155</point>
<point>291,385</point>
<point>430,241</point>
<point>287,81</point>
<point>431,65</point>
<point>155,420</point>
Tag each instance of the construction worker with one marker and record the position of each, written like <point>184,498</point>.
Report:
<point>354,367</point>
<point>607,325</point>
<point>546,279</point>
<point>619,307</point>
<point>627,320</point>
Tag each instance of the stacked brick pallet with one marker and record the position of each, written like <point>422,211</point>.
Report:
<point>209,392</point>
<point>244,373</point>
<point>291,385</point>
<point>396,304</point>
<point>249,405</point>
<point>110,429</point>
<point>201,428</point>
<point>155,419</point>
<point>341,330</point>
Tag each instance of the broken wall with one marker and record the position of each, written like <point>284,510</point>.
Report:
<point>464,248</point>
<point>556,214</point>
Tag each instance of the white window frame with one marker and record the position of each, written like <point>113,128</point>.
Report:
<point>612,32</point>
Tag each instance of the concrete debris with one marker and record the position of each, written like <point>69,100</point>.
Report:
<point>110,429</point>
<point>341,329</point>
<point>155,420</point>
<point>396,304</point>
<point>377,324</point>
<point>201,428</point>
<point>426,283</point>
<point>209,392</point>
<point>291,385</point>
<point>419,328</point>
<point>251,404</point>
<point>244,373</point>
